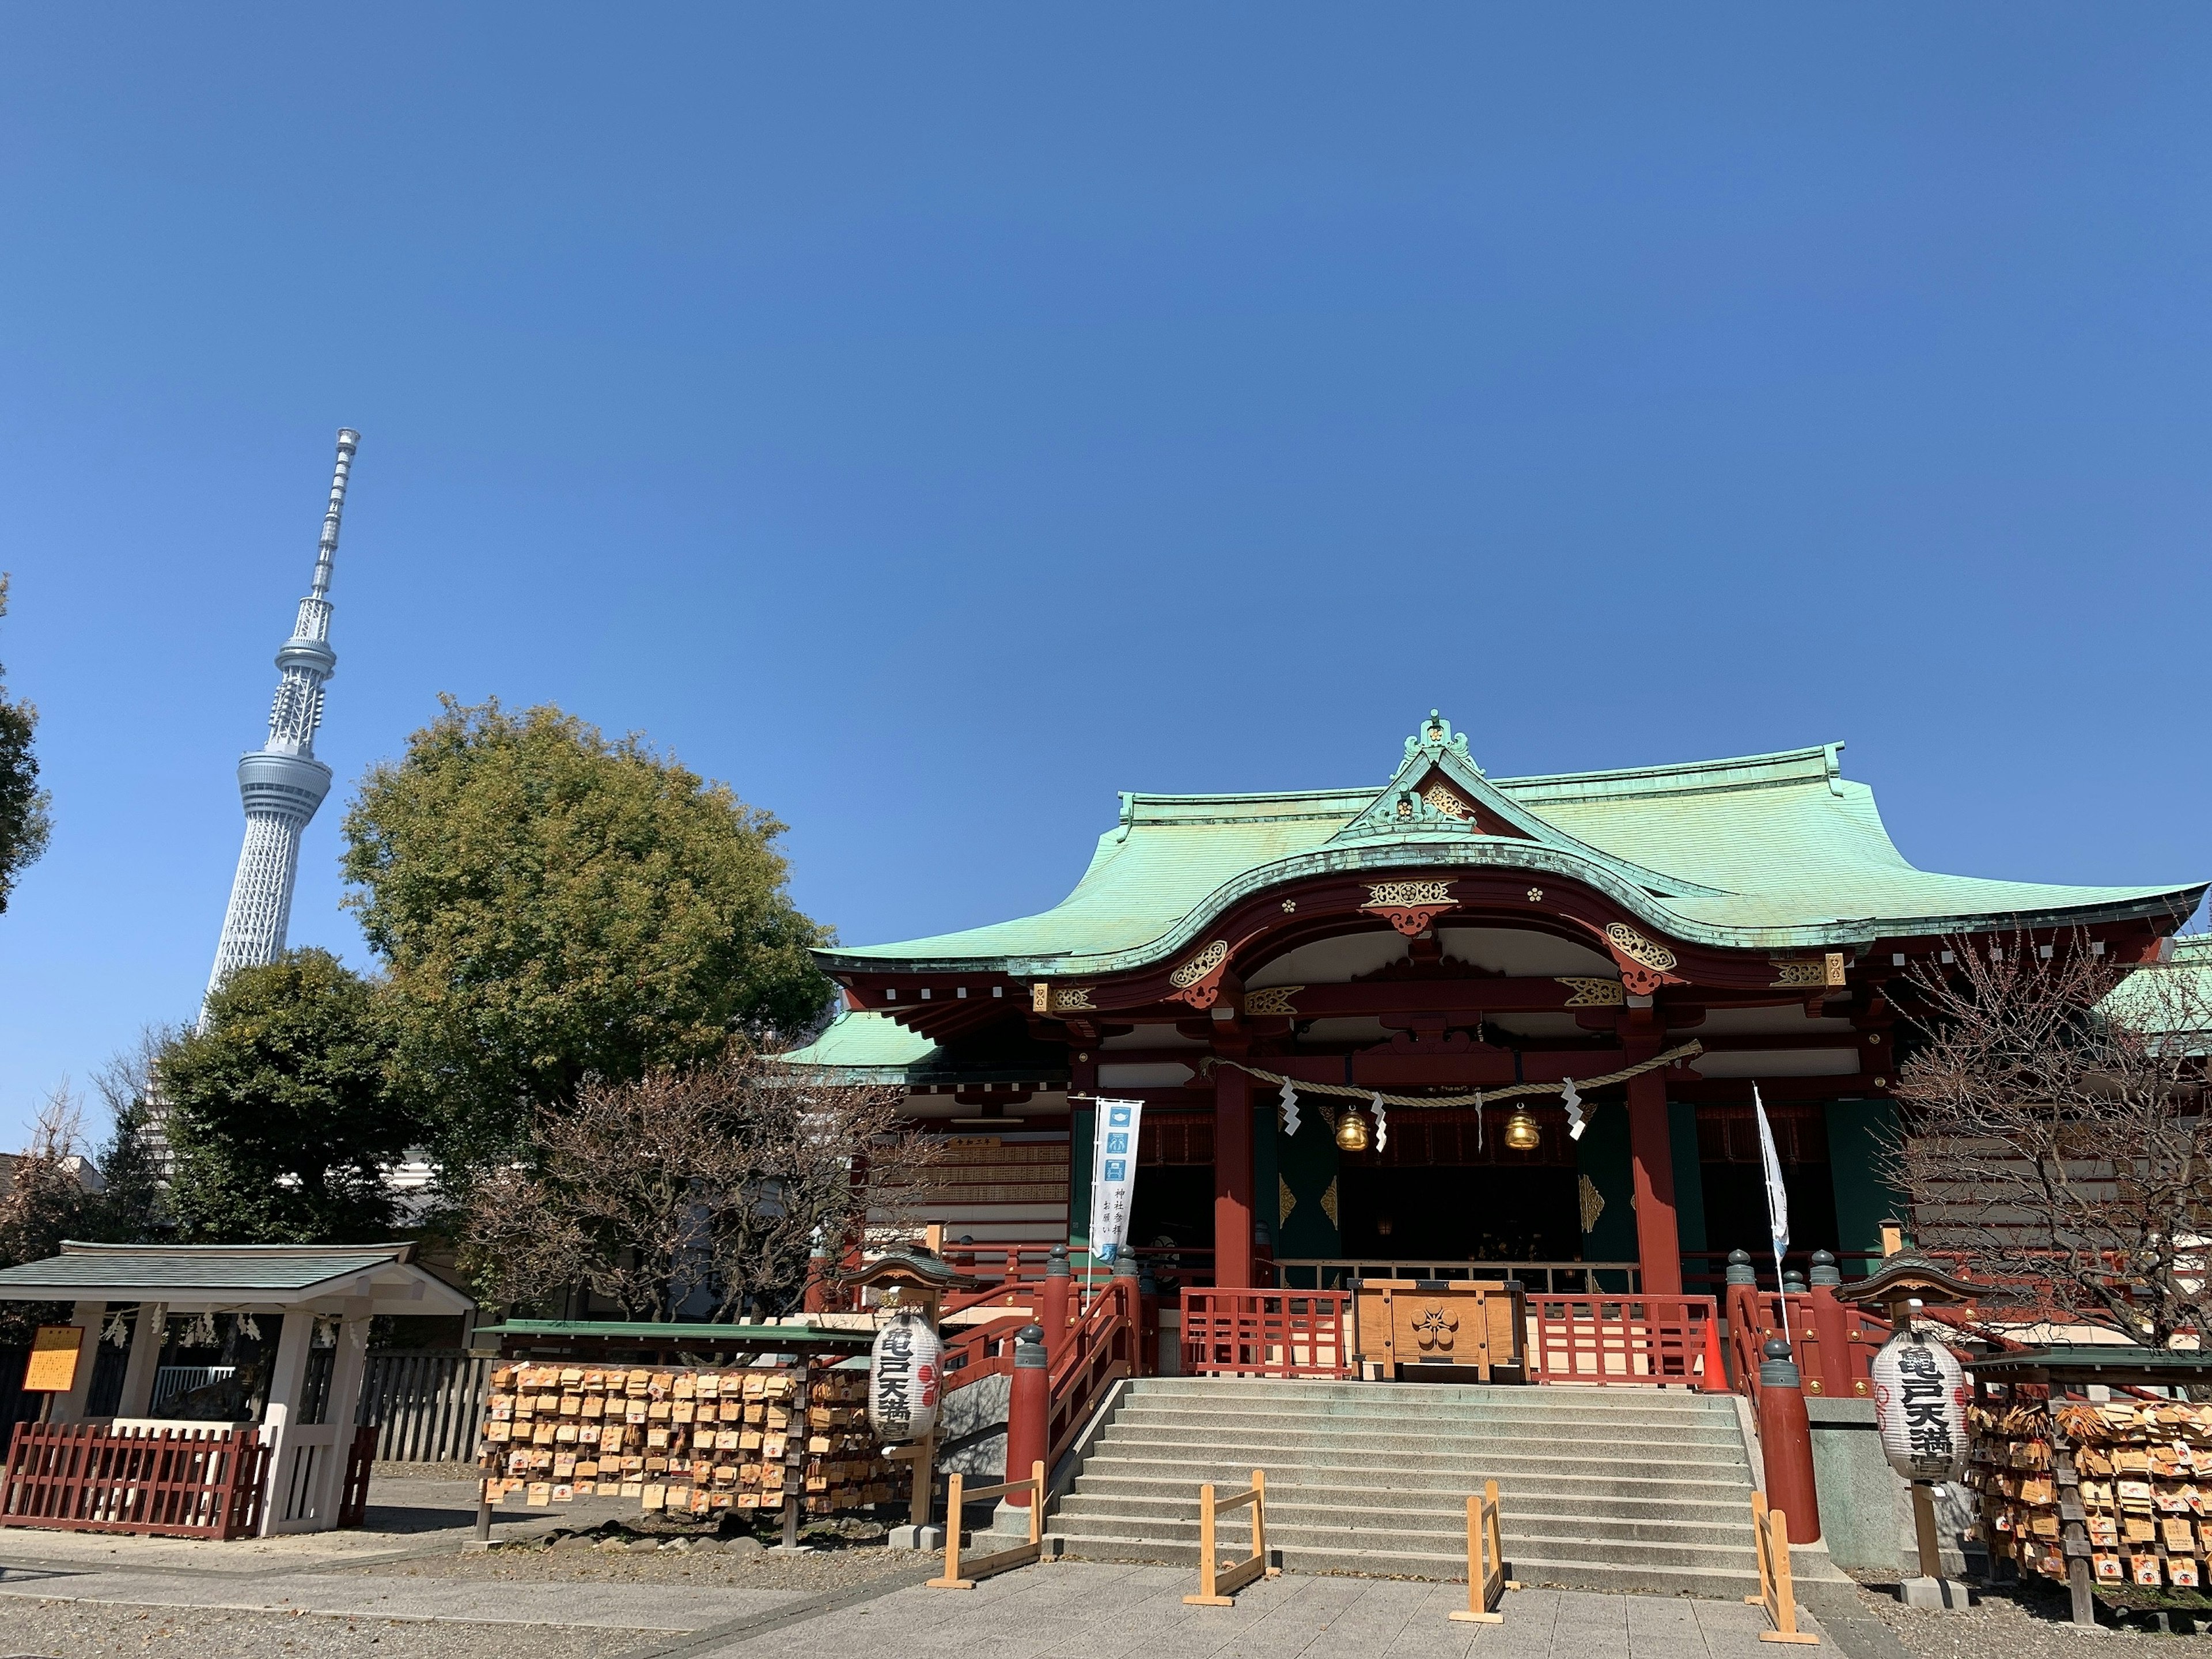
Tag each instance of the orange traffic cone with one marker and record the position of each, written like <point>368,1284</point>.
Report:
<point>1716,1369</point>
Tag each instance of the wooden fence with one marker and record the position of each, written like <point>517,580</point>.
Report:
<point>1619,1340</point>
<point>425,1403</point>
<point>85,1477</point>
<point>1231,1333</point>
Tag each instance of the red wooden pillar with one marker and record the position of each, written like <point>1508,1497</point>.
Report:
<point>1658,1248</point>
<point>1028,1412</point>
<point>1232,1178</point>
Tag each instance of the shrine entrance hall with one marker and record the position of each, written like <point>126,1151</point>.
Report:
<point>1472,1022</point>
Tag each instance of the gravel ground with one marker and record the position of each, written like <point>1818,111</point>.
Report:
<point>2029,1622</point>
<point>625,1558</point>
<point>79,1630</point>
<point>461,1475</point>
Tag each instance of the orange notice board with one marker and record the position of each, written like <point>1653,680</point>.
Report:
<point>54,1354</point>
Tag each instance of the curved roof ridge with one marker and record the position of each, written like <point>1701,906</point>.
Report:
<point>1817,764</point>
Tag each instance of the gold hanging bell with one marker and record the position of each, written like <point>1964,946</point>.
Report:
<point>1522,1133</point>
<point>1354,1131</point>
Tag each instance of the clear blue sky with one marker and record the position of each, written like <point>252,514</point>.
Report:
<point>931,420</point>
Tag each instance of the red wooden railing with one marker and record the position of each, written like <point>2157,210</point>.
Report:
<point>353,1496</point>
<point>1833,1342</point>
<point>1634,1340</point>
<point>1264,1333</point>
<point>86,1477</point>
<point>1101,1349</point>
<point>980,1351</point>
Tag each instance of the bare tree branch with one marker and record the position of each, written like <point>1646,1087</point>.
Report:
<point>2055,1130</point>
<point>697,1192</point>
<point>43,1199</point>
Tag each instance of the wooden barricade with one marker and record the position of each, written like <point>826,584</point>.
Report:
<point>353,1490</point>
<point>1771,1529</point>
<point>1486,1582</point>
<point>1218,1580</point>
<point>86,1477</point>
<point>982,1566</point>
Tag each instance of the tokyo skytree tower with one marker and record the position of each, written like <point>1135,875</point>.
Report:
<point>281,782</point>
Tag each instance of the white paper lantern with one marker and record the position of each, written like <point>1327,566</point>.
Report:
<point>1920,1407</point>
<point>902,1378</point>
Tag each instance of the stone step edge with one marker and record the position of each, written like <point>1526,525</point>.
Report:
<point>1598,1528</point>
<point>1532,1569</point>
<point>1553,1396</point>
<point>1713,1513</point>
<point>1742,1551</point>
<point>1246,1451</point>
<point>1719,1433</point>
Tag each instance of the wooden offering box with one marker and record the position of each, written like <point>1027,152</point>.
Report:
<point>1440,1330</point>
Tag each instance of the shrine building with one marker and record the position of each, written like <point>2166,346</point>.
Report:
<point>1446,934</point>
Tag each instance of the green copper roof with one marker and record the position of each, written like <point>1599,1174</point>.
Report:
<point>1765,852</point>
<point>860,1048</point>
<point>522,1331</point>
<point>2172,998</point>
<point>87,1270</point>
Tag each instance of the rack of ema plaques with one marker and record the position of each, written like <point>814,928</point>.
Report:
<point>2111,1498</point>
<point>688,1442</point>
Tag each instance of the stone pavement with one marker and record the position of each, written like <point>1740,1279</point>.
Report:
<point>1094,1610</point>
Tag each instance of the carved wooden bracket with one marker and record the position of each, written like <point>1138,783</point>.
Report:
<point>1198,981</point>
<point>1644,965</point>
<point>1411,907</point>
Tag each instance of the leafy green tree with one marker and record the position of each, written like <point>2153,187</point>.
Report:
<point>280,1109</point>
<point>556,908</point>
<point>23,817</point>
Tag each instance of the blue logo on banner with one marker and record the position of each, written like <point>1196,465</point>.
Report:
<point>1116,1169</point>
<point>1117,1143</point>
<point>1117,1116</point>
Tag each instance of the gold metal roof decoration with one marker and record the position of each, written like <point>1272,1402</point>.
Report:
<point>1200,965</point>
<point>1587,991</point>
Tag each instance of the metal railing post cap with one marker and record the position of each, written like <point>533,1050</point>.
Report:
<point>1739,1269</point>
<point>1125,1266</point>
<point>1777,1369</point>
<point>1825,1274</point>
<point>1029,1348</point>
<point>1056,1262</point>
<point>1793,1282</point>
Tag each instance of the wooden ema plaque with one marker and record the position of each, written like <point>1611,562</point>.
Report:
<point>1438,1329</point>
<point>55,1351</point>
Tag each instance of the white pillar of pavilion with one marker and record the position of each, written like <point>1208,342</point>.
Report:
<point>146,1340</point>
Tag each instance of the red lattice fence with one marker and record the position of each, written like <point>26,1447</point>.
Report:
<point>81,1477</point>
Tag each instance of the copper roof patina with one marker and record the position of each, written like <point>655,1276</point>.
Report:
<point>1773,852</point>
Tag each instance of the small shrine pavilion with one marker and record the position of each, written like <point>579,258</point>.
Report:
<point>1703,926</point>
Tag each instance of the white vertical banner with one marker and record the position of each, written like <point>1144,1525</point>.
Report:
<point>1113,1176</point>
<point>1777,1195</point>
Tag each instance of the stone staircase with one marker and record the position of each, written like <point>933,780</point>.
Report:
<point>1615,1489</point>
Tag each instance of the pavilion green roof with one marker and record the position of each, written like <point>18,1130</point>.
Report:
<point>1763,851</point>
<point>2173,998</point>
<point>860,1048</point>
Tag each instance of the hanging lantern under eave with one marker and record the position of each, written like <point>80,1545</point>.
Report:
<point>1353,1132</point>
<point>1522,1133</point>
